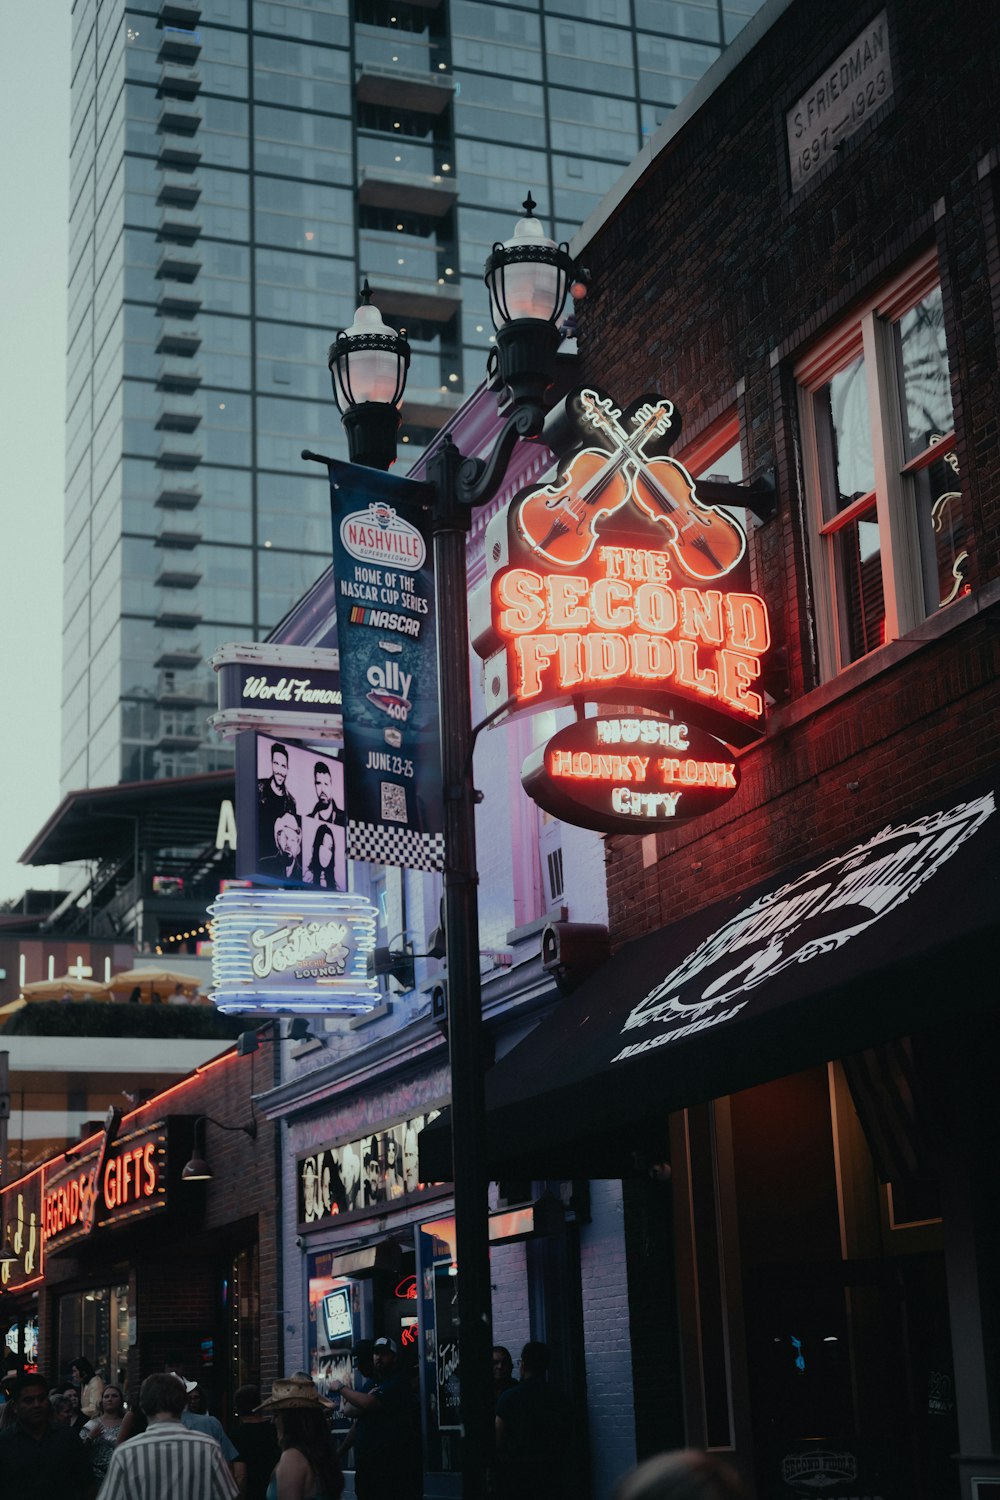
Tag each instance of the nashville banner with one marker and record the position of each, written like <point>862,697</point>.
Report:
<point>384,572</point>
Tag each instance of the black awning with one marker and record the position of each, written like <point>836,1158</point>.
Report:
<point>893,933</point>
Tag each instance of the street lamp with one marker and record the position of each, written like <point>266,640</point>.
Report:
<point>368,364</point>
<point>527,277</point>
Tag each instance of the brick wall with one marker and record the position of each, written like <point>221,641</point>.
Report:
<point>607,1338</point>
<point>708,283</point>
<point>174,1262</point>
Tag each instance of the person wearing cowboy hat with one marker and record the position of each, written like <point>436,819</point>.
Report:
<point>308,1468</point>
<point>385,1452</point>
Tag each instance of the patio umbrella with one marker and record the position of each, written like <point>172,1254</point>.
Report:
<point>151,981</point>
<point>65,987</point>
<point>11,1008</point>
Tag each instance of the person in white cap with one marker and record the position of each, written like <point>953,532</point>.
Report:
<point>385,1449</point>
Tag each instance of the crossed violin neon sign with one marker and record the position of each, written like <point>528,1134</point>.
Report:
<point>613,580</point>
<point>562,522</point>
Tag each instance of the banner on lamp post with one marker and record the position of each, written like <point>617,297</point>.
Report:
<point>386,629</point>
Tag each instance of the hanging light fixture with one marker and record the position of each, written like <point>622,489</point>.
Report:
<point>197,1169</point>
<point>527,278</point>
<point>368,364</point>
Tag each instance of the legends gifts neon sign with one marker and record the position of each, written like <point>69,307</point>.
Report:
<point>616,582</point>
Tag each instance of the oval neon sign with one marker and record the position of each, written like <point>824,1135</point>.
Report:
<point>622,774</point>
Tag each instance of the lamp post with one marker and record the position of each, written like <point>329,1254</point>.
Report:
<point>527,277</point>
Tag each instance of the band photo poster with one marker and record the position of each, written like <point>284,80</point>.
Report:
<point>297,830</point>
<point>380,1168</point>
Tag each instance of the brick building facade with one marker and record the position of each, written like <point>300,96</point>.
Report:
<point>192,1275</point>
<point>805,262</point>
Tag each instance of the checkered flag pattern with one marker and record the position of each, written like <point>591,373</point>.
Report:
<point>386,845</point>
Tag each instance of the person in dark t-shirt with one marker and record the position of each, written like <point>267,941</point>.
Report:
<point>274,800</point>
<point>257,1442</point>
<point>532,1433</point>
<point>386,1452</point>
<point>41,1459</point>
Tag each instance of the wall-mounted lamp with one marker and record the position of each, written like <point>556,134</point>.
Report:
<point>249,1042</point>
<point>197,1169</point>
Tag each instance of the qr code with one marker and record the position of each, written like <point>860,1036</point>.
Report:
<point>393,802</point>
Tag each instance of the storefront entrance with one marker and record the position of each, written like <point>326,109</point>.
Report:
<point>849,1371</point>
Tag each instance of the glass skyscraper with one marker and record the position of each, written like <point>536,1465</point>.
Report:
<point>237,167</point>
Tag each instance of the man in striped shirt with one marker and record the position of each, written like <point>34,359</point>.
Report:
<point>168,1461</point>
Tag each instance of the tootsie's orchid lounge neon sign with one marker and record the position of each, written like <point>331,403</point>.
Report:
<point>293,951</point>
<point>616,582</point>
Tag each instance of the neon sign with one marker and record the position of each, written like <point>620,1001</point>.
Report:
<point>630,775</point>
<point>616,582</point>
<point>105,1187</point>
<point>293,951</point>
<point>22,1226</point>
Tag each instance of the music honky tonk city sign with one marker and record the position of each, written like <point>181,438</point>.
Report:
<point>616,583</point>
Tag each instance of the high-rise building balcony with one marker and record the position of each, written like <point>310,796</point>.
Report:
<point>419,192</point>
<point>179,223</point>
<point>179,44</point>
<point>178,263</point>
<point>178,375</point>
<point>179,117</point>
<point>179,451</point>
<point>178,82</point>
<point>179,151</point>
<point>178,413</point>
<point>180,188</point>
<point>424,92</point>
<point>179,12</point>
<point>178,529</point>
<point>430,407</point>
<point>179,733</point>
<point>188,692</point>
<point>179,609</point>
<point>178,572</point>
<point>403,298</point>
<point>178,653</point>
<point>178,338</point>
<point>178,496</point>
<point>176,300</point>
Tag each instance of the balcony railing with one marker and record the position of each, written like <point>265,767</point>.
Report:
<point>178,496</point>
<point>179,151</point>
<point>178,82</point>
<point>179,117</point>
<point>183,189</point>
<point>178,375</point>
<point>179,451</point>
<point>176,300</point>
<point>421,90</point>
<point>179,44</point>
<point>178,529</point>
<point>421,193</point>
<point>178,338</point>
<point>179,609</point>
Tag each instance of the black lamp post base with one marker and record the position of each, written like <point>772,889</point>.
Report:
<point>526,351</point>
<point>371,434</point>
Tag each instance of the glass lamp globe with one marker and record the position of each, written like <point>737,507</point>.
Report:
<point>527,275</point>
<point>369,360</point>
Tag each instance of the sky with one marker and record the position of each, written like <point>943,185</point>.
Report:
<point>34,187</point>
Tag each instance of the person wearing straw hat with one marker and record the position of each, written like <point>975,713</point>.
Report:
<point>308,1468</point>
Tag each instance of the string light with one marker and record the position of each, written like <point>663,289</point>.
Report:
<point>179,937</point>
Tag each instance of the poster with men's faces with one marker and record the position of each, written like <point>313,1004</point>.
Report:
<point>298,796</point>
<point>378,1169</point>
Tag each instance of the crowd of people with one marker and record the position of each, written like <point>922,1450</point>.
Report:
<point>79,1441</point>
